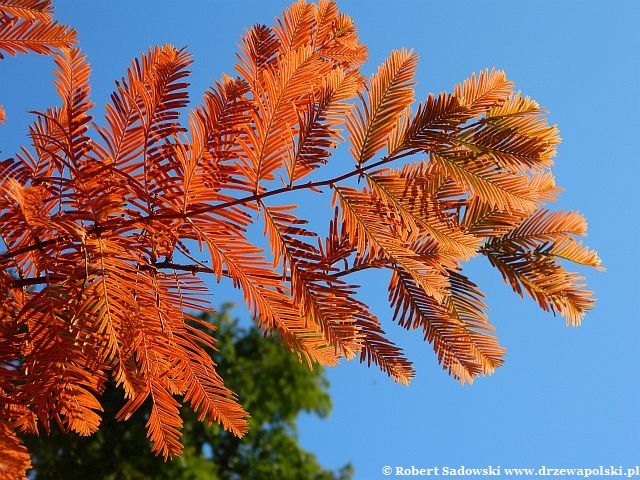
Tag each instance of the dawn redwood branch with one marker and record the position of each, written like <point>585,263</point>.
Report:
<point>29,248</point>
<point>251,198</point>
<point>97,229</point>
<point>358,268</point>
<point>40,280</point>
<point>192,268</point>
<point>177,266</point>
<point>28,282</point>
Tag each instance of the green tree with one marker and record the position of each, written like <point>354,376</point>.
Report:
<point>275,388</point>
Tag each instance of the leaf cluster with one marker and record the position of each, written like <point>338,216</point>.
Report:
<point>109,227</point>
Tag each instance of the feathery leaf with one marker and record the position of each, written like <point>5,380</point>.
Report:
<point>389,92</point>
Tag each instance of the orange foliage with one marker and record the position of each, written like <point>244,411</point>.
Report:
<point>106,229</point>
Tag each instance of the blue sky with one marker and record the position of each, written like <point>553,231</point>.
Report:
<point>566,396</point>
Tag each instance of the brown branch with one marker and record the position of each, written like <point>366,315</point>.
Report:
<point>26,282</point>
<point>358,268</point>
<point>253,197</point>
<point>206,208</point>
<point>177,266</point>
<point>193,269</point>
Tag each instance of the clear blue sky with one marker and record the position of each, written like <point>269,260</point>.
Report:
<point>566,397</point>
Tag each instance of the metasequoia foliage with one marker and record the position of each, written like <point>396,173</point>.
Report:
<point>25,26</point>
<point>28,26</point>
<point>109,227</point>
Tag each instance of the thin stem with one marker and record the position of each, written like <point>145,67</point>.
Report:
<point>357,268</point>
<point>192,268</point>
<point>43,279</point>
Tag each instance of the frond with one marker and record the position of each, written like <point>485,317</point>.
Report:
<point>15,412</point>
<point>515,135</point>
<point>46,135</point>
<point>483,220</point>
<point>157,351</point>
<point>527,257</point>
<point>164,422</point>
<point>62,377</point>
<point>215,126</point>
<point>342,44</point>
<point>326,16</point>
<point>15,169</point>
<point>267,297</point>
<point>575,252</point>
<point>299,76</point>
<point>294,27</point>
<point>145,108</point>
<point>62,380</point>
<point>80,407</point>
<point>28,9</point>
<point>512,131</point>
<point>206,393</point>
<point>458,328</point>
<point>549,284</point>
<point>427,202</point>
<point>160,336</point>
<point>23,36</point>
<point>376,232</point>
<point>25,216</point>
<point>337,245</point>
<point>544,226</point>
<point>320,117</point>
<point>112,288</point>
<point>433,121</point>
<point>482,91</point>
<point>259,47</point>
<point>64,373</point>
<point>321,298</point>
<point>389,92</point>
<point>15,459</point>
<point>72,84</point>
<point>497,187</point>
<point>292,78</point>
<point>199,166</point>
<point>377,349</point>
<point>440,121</point>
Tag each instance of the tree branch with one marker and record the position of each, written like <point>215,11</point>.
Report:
<point>105,227</point>
<point>27,282</point>
<point>192,268</point>
<point>358,268</point>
